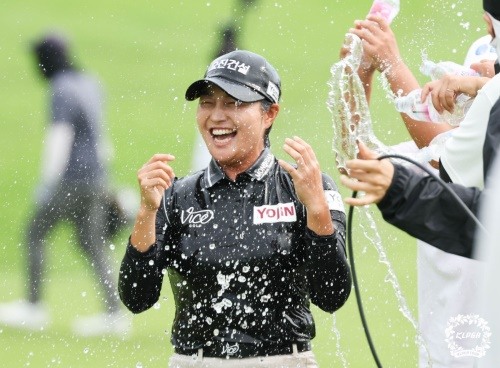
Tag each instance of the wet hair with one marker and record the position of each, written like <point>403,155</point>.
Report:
<point>266,105</point>
<point>52,55</point>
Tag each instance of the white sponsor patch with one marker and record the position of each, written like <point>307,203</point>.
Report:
<point>273,91</point>
<point>281,212</point>
<point>265,166</point>
<point>334,200</point>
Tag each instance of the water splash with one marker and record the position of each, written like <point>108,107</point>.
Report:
<point>338,351</point>
<point>351,116</point>
<point>349,107</point>
<point>351,123</point>
<point>369,228</point>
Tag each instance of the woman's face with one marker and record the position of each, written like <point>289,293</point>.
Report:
<point>233,130</point>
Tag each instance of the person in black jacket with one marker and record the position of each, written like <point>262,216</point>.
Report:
<point>249,241</point>
<point>420,205</point>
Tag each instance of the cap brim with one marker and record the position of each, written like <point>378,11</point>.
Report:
<point>237,91</point>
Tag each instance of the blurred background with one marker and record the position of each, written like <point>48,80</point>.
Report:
<point>146,54</point>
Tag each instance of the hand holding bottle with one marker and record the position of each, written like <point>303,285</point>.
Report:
<point>380,48</point>
<point>445,91</point>
<point>422,109</point>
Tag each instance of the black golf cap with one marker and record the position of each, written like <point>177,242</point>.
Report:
<point>243,75</point>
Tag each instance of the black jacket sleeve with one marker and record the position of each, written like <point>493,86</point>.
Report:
<point>328,271</point>
<point>423,208</point>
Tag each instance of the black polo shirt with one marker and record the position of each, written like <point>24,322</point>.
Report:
<point>242,264</point>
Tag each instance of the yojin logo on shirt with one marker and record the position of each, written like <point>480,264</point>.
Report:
<point>281,212</point>
<point>467,335</point>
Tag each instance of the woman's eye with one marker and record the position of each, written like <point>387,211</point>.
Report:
<point>233,103</point>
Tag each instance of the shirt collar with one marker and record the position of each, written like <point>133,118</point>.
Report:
<point>258,170</point>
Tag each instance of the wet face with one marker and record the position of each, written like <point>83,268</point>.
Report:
<point>233,130</point>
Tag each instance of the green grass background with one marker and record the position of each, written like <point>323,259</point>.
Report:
<point>147,53</point>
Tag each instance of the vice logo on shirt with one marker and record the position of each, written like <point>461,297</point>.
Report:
<point>192,217</point>
<point>281,212</point>
<point>230,349</point>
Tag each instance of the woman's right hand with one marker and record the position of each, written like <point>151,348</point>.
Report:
<point>154,177</point>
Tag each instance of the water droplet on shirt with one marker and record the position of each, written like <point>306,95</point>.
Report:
<point>265,298</point>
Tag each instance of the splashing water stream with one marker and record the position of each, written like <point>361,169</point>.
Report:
<point>338,351</point>
<point>351,123</point>
<point>349,107</point>
<point>369,227</point>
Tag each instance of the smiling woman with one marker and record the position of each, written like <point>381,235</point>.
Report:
<point>233,130</point>
<point>247,242</point>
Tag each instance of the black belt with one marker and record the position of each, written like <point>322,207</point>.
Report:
<point>220,349</point>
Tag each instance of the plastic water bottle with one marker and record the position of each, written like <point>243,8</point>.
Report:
<point>438,70</point>
<point>425,111</point>
<point>386,8</point>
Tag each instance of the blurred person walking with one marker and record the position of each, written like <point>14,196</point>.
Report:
<point>247,243</point>
<point>73,188</point>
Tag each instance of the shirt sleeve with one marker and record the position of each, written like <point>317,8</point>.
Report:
<point>64,106</point>
<point>328,271</point>
<point>423,208</point>
<point>139,282</point>
<point>141,274</point>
